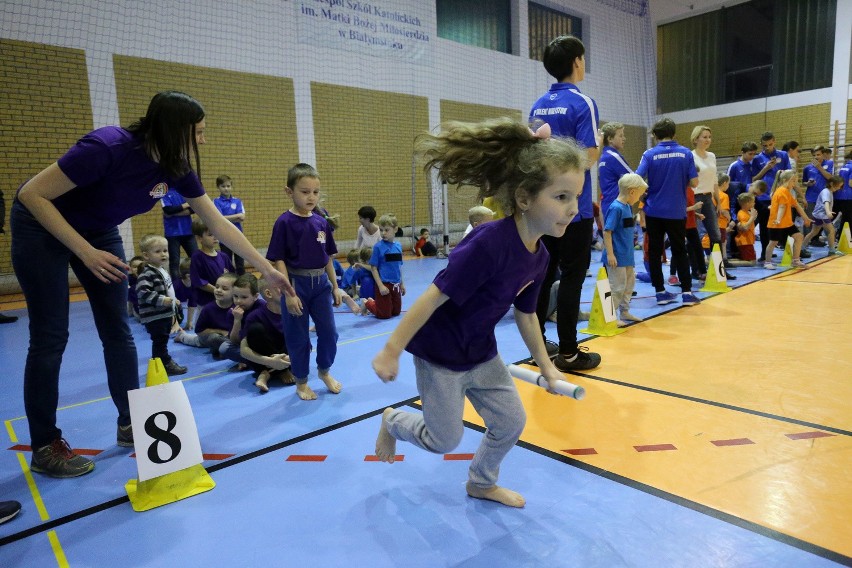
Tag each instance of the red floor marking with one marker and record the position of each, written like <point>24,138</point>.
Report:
<point>81,451</point>
<point>372,458</point>
<point>733,442</point>
<point>582,452</point>
<point>297,458</point>
<point>655,448</point>
<point>808,435</point>
<point>217,457</point>
<point>458,457</point>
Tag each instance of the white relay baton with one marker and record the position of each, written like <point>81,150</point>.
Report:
<point>562,387</point>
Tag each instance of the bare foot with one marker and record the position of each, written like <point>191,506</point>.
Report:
<point>333,385</point>
<point>364,309</point>
<point>353,305</point>
<point>496,493</point>
<point>261,381</point>
<point>286,377</point>
<point>305,392</point>
<point>385,443</point>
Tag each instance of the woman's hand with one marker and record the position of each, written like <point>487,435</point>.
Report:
<point>294,305</point>
<point>105,266</point>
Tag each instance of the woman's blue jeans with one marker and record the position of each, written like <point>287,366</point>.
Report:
<point>41,265</point>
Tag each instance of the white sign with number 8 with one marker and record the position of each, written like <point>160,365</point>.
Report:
<point>164,432</point>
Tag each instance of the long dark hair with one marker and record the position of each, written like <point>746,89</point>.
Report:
<point>168,131</point>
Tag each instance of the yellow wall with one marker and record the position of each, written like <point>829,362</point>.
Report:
<point>462,198</point>
<point>46,108</point>
<point>808,125</point>
<point>251,133</point>
<point>364,143</point>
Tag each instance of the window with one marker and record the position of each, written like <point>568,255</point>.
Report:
<point>545,24</point>
<point>481,23</point>
<point>751,50</point>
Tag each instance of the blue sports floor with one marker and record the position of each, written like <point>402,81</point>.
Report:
<point>295,485</point>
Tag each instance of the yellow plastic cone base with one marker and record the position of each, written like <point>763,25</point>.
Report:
<point>597,321</point>
<point>787,259</point>
<point>844,245</point>
<point>156,373</point>
<point>151,493</point>
<point>712,283</point>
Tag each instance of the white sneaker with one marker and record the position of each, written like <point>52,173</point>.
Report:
<point>768,266</point>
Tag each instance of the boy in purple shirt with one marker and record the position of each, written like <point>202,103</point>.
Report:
<point>450,328</point>
<point>207,263</point>
<point>669,168</point>
<point>185,292</point>
<point>302,246</point>
<point>68,214</point>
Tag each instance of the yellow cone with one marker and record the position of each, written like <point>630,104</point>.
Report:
<point>156,373</point>
<point>787,259</point>
<point>712,283</point>
<point>145,495</point>
<point>597,322</point>
<point>151,493</point>
<point>845,242</point>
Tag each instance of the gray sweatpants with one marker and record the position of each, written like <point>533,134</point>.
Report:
<point>490,389</point>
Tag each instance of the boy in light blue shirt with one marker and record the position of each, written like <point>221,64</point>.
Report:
<point>618,245</point>
<point>386,265</point>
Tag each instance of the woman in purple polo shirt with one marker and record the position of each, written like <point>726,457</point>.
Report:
<point>450,328</point>
<point>68,214</point>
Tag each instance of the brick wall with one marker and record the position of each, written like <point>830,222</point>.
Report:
<point>809,125</point>
<point>462,198</point>
<point>251,133</point>
<point>364,142</point>
<point>45,109</point>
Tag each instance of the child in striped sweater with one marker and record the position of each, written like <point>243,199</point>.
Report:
<point>157,301</point>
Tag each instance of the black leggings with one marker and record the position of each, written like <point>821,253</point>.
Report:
<point>266,342</point>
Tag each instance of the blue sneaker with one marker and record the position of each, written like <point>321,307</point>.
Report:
<point>688,299</point>
<point>664,298</point>
<point>643,277</point>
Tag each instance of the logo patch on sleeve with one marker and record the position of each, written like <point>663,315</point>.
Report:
<point>159,191</point>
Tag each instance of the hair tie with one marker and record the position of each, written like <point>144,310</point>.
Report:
<point>542,132</point>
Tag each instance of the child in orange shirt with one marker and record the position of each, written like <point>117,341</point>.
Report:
<point>781,218</point>
<point>744,239</point>
<point>726,225</point>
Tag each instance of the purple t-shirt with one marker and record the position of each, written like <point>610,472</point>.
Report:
<point>205,269</point>
<point>489,271</point>
<point>271,322</point>
<point>115,180</point>
<point>214,317</point>
<point>301,242</point>
<point>186,294</point>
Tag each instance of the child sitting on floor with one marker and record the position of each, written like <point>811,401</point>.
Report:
<point>215,320</point>
<point>262,343</point>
